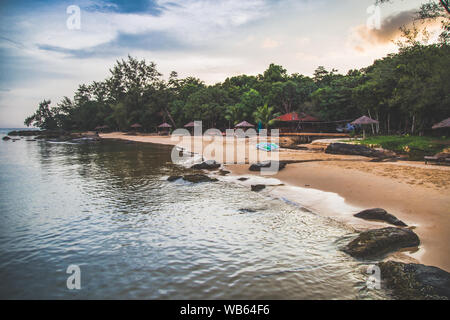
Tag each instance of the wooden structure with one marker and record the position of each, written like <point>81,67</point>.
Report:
<point>294,122</point>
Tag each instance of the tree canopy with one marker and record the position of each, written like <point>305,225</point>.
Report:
<point>406,92</point>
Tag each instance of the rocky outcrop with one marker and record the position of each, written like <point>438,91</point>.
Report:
<point>378,242</point>
<point>224,172</point>
<point>380,214</point>
<point>174,178</point>
<point>258,187</point>
<point>206,165</point>
<point>247,210</point>
<point>357,150</point>
<point>276,165</point>
<point>198,178</point>
<point>6,138</point>
<point>415,281</point>
<point>27,133</point>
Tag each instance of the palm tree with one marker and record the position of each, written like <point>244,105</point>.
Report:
<point>234,114</point>
<point>265,115</point>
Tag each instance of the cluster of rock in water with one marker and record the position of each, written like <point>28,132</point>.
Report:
<point>405,280</point>
<point>53,136</point>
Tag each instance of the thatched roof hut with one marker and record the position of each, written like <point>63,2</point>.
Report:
<point>190,125</point>
<point>442,124</point>
<point>364,120</point>
<point>244,124</point>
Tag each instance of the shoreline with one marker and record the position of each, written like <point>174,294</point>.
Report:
<point>339,186</point>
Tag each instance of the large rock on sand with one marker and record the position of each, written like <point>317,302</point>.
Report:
<point>174,178</point>
<point>378,242</point>
<point>198,178</point>
<point>415,281</point>
<point>206,165</point>
<point>6,138</point>
<point>380,214</point>
<point>276,165</point>
<point>356,150</point>
<point>258,187</point>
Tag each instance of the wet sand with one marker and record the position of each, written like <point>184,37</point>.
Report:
<point>415,193</point>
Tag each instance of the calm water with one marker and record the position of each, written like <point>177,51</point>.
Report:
<point>108,209</point>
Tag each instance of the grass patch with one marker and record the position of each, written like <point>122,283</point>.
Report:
<point>413,146</point>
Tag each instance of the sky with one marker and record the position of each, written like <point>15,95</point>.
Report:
<point>46,54</point>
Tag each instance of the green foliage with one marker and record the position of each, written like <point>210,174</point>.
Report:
<point>43,118</point>
<point>265,115</point>
<point>407,92</point>
<point>413,146</point>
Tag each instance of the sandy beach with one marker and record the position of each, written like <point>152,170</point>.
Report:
<point>416,193</point>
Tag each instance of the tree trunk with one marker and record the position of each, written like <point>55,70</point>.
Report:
<point>413,123</point>
<point>378,124</point>
<point>170,117</point>
<point>389,124</point>
<point>373,130</point>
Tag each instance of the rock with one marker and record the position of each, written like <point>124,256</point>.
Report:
<point>174,178</point>
<point>375,243</point>
<point>6,138</point>
<point>268,164</point>
<point>380,214</point>
<point>198,178</point>
<point>247,210</point>
<point>26,133</point>
<point>243,179</point>
<point>415,281</point>
<point>224,172</point>
<point>206,165</point>
<point>357,150</point>
<point>85,140</point>
<point>258,187</point>
<point>288,143</point>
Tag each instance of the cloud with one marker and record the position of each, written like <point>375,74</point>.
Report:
<point>390,28</point>
<point>185,22</point>
<point>362,37</point>
<point>269,43</point>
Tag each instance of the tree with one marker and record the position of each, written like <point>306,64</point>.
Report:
<point>234,114</point>
<point>43,118</point>
<point>265,115</point>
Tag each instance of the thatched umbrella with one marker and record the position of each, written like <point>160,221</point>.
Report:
<point>364,121</point>
<point>244,124</point>
<point>442,124</point>
<point>191,125</point>
<point>165,126</point>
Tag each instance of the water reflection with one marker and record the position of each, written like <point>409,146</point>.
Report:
<point>107,208</point>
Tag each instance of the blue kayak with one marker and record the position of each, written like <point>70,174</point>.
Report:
<point>267,146</point>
